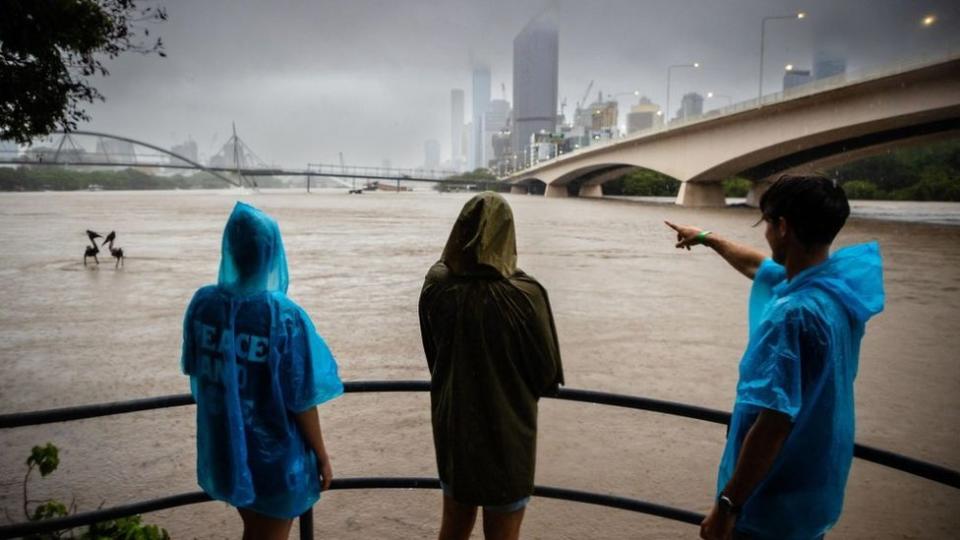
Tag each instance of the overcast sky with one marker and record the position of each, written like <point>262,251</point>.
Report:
<point>304,80</point>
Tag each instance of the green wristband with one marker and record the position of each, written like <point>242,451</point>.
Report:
<point>702,235</point>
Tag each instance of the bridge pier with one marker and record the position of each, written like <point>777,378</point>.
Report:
<point>595,191</point>
<point>701,195</point>
<point>517,189</point>
<point>556,191</point>
<point>756,191</point>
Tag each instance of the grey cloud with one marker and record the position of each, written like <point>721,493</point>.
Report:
<point>305,80</point>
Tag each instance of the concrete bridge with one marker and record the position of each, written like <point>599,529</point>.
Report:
<point>825,124</point>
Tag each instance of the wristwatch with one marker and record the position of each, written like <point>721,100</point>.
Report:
<point>726,505</point>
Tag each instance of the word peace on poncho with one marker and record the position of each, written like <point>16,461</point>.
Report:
<point>491,346</point>
<point>254,361</point>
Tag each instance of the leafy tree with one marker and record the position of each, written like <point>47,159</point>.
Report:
<point>643,183</point>
<point>736,187</point>
<point>48,51</point>
<point>861,189</point>
<point>46,459</point>
<point>483,179</point>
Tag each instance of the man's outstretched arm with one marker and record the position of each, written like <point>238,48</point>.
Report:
<point>744,258</point>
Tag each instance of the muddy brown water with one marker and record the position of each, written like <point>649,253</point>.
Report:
<point>634,316</point>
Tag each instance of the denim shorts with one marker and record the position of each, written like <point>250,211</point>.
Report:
<point>516,505</point>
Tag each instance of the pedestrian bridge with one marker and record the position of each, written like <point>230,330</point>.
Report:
<point>823,124</point>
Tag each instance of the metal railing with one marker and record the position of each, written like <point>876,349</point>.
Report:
<point>879,456</point>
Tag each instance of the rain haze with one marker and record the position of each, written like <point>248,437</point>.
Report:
<point>427,103</point>
<point>304,81</point>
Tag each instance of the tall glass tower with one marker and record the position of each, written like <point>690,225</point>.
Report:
<point>481,102</point>
<point>456,126</point>
<point>535,79</point>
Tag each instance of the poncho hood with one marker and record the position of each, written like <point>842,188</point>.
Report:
<point>853,274</point>
<point>252,256</point>
<point>482,240</point>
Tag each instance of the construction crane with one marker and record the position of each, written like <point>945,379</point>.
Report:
<point>585,94</point>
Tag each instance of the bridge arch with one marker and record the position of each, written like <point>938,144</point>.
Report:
<point>182,162</point>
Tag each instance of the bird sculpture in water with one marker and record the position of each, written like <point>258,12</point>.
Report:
<point>116,252</point>
<point>92,249</point>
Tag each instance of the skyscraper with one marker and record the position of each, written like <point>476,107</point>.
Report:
<point>431,154</point>
<point>536,64</point>
<point>795,77</point>
<point>828,63</point>
<point>495,120</point>
<point>642,116</point>
<point>456,126</point>
<point>481,101</point>
<point>691,105</point>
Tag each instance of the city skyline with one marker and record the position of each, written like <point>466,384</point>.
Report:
<point>336,80</point>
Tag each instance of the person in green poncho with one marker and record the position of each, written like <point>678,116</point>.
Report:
<point>491,347</point>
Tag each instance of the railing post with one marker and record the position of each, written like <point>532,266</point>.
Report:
<point>306,525</point>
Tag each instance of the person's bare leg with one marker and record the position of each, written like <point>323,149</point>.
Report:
<point>458,520</point>
<point>502,525</point>
<point>260,527</point>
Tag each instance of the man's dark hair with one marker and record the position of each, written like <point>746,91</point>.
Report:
<point>816,208</point>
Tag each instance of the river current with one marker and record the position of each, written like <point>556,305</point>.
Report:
<point>634,315</point>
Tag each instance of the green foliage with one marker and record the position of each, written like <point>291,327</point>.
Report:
<point>736,187</point>
<point>481,179</point>
<point>923,173</point>
<point>861,189</point>
<point>49,509</point>
<point>128,528</point>
<point>47,458</point>
<point>48,51</point>
<point>643,183</point>
<point>51,178</point>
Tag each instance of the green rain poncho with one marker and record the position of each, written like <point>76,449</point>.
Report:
<point>491,346</point>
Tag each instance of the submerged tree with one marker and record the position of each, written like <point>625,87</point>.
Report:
<point>49,49</point>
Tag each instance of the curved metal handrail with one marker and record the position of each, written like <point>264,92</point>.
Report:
<point>906,464</point>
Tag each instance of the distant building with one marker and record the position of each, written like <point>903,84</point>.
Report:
<point>643,116</point>
<point>503,160</point>
<point>481,101</point>
<point>535,80</point>
<point>690,106</point>
<point>456,127</point>
<point>793,78</point>
<point>494,121</point>
<point>603,115</point>
<point>827,63</point>
<point>188,150</point>
<point>431,154</point>
<point>544,145</point>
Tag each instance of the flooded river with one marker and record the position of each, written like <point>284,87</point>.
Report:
<point>634,316</point>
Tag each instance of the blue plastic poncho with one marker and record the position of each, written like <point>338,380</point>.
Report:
<point>254,360</point>
<point>801,360</point>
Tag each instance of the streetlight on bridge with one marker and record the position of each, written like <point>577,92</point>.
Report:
<point>695,65</point>
<point>711,95</point>
<point>763,33</point>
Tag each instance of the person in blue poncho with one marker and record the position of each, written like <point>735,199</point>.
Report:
<point>791,436</point>
<point>257,369</point>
